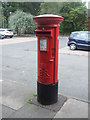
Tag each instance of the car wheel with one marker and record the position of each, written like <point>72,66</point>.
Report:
<point>72,47</point>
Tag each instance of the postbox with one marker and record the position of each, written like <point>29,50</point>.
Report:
<point>47,32</point>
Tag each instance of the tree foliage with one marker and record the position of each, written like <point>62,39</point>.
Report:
<point>11,7</point>
<point>0,14</point>
<point>75,18</point>
<point>29,7</point>
<point>74,13</point>
<point>8,8</point>
<point>22,22</point>
<point>51,7</point>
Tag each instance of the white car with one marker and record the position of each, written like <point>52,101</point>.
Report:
<point>6,32</point>
<point>2,36</point>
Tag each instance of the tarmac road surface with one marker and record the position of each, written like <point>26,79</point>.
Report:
<point>19,72</point>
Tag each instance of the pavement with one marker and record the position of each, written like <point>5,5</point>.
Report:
<point>67,51</point>
<point>71,109</point>
<point>18,85</point>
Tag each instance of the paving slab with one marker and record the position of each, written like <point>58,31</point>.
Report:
<point>67,51</point>
<point>54,107</point>
<point>73,109</point>
<point>32,111</point>
<point>7,111</point>
<point>15,95</point>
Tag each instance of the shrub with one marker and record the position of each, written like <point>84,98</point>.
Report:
<point>22,23</point>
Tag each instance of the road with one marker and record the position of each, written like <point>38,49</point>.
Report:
<point>19,73</point>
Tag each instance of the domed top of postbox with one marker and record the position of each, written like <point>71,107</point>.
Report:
<point>48,20</point>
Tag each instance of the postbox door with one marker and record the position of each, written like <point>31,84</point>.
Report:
<point>46,60</point>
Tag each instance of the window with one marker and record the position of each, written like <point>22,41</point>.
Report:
<point>9,30</point>
<point>82,36</point>
<point>88,36</point>
<point>73,35</point>
<point>2,30</point>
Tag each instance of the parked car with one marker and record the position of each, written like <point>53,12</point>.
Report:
<point>79,40</point>
<point>2,36</point>
<point>6,32</point>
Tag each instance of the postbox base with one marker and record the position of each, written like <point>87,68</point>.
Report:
<point>47,94</point>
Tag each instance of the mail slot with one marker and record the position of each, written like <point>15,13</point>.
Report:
<point>47,32</point>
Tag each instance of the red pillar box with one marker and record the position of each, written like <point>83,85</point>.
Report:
<point>47,32</point>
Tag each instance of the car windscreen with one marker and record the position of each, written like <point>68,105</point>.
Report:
<point>88,36</point>
<point>9,30</point>
<point>73,35</point>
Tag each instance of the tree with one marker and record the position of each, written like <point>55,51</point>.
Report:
<point>22,23</point>
<point>0,14</point>
<point>74,13</point>
<point>8,8</point>
<point>50,7</point>
<point>75,18</point>
<point>28,7</point>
